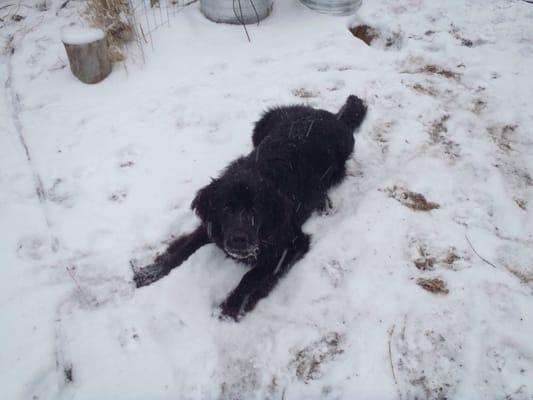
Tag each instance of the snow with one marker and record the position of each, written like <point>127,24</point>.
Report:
<point>120,161</point>
<point>80,35</point>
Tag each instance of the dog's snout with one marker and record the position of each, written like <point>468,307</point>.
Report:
<point>238,240</point>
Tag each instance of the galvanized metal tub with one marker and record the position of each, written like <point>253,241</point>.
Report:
<point>236,11</point>
<point>333,7</point>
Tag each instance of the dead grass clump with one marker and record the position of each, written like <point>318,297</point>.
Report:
<point>524,277</point>
<point>433,285</point>
<point>438,129</point>
<point>309,360</point>
<point>455,32</point>
<point>304,93</point>
<point>451,257</point>
<point>503,135</point>
<point>521,203</point>
<point>412,200</point>
<point>425,263</point>
<point>427,90</point>
<point>435,69</point>
<point>114,18</point>
<point>437,133</point>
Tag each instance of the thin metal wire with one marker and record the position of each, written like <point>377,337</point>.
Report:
<point>241,18</point>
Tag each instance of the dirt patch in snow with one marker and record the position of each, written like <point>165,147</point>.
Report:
<point>370,35</point>
<point>364,32</point>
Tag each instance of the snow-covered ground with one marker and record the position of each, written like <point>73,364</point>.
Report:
<point>111,169</point>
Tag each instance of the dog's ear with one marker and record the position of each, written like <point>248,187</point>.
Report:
<point>203,203</point>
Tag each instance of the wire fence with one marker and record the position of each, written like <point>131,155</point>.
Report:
<point>148,16</point>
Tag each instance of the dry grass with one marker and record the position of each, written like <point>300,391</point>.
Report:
<point>435,69</point>
<point>503,135</point>
<point>451,257</point>
<point>113,17</point>
<point>433,285</point>
<point>309,360</point>
<point>427,90</point>
<point>425,263</point>
<point>438,133</point>
<point>412,200</point>
<point>521,203</point>
<point>438,129</point>
<point>524,277</point>
<point>304,93</point>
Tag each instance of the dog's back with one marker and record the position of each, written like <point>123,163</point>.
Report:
<point>351,114</point>
<point>303,150</point>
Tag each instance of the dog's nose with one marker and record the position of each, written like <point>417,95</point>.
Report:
<point>238,240</point>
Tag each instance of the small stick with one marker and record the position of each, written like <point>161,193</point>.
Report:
<point>477,254</point>
<point>391,332</point>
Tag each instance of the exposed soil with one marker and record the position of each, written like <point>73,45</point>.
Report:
<point>369,34</point>
<point>364,32</point>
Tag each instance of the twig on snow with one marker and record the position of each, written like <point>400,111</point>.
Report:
<point>477,254</point>
<point>391,332</point>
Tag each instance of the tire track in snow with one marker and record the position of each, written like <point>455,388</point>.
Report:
<point>13,104</point>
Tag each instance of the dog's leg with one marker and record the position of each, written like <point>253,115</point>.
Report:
<point>258,282</point>
<point>176,253</point>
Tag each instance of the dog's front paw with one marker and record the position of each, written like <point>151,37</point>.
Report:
<point>232,309</point>
<point>228,312</point>
<point>149,274</point>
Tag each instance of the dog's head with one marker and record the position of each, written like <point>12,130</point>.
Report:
<point>242,214</point>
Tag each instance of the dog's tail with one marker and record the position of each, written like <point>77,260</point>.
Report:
<point>353,112</point>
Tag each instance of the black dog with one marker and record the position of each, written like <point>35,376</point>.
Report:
<point>254,211</point>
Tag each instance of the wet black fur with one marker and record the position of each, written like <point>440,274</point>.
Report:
<point>299,153</point>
